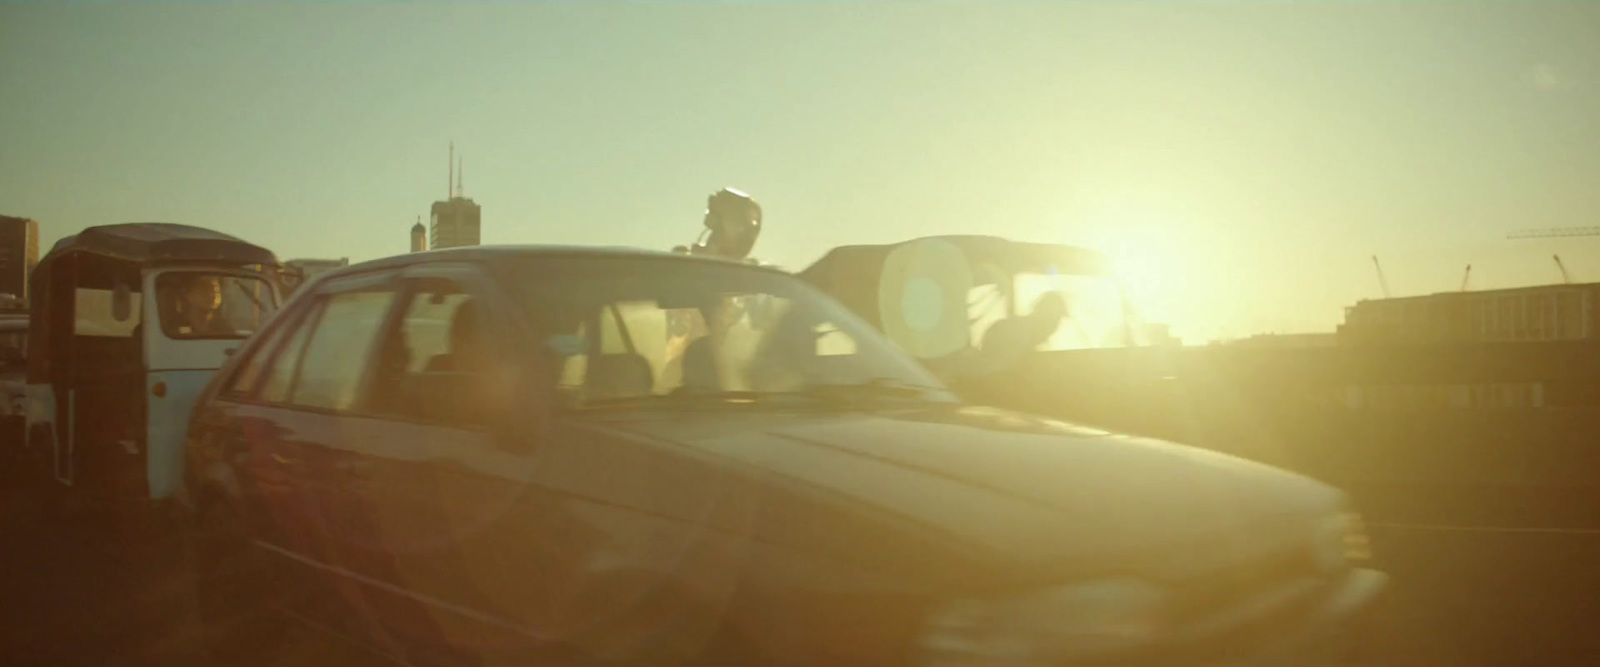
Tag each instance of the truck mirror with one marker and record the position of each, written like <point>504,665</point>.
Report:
<point>121,301</point>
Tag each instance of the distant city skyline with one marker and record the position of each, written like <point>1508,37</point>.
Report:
<point>1242,161</point>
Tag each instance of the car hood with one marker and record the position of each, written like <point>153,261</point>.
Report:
<point>1003,485</point>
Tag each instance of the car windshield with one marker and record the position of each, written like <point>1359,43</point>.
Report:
<point>627,329</point>
<point>213,305</point>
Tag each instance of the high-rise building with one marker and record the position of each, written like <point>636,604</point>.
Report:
<point>19,253</point>
<point>456,221</point>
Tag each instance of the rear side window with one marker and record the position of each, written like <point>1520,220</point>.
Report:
<point>281,378</point>
<point>94,314</point>
<point>251,369</point>
<point>336,357</point>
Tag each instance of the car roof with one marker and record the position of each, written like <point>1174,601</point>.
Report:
<point>492,254</point>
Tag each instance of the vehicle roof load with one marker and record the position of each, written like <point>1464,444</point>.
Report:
<point>161,241</point>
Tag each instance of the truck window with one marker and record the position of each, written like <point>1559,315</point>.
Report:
<point>93,315</point>
<point>213,305</point>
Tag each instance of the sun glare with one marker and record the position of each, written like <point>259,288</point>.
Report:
<point>1146,276</point>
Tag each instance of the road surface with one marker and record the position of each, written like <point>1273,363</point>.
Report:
<point>1464,595</point>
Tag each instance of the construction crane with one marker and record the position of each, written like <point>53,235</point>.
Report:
<point>1554,232</point>
<point>1382,281</point>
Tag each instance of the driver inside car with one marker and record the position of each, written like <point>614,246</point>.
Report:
<point>199,308</point>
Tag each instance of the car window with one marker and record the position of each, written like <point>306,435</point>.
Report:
<point>431,367</point>
<point>427,325</point>
<point>251,368</point>
<point>281,377</point>
<point>335,359</point>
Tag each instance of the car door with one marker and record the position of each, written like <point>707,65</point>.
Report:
<point>321,402</point>
<point>255,438</point>
<point>441,490</point>
<point>245,447</point>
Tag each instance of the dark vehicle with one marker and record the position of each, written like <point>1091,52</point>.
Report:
<point>128,323</point>
<point>500,455</point>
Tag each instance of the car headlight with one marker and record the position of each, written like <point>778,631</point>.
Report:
<point>1047,627</point>
<point>1341,540</point>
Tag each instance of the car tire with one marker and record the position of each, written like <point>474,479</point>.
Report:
<point>239,621</point>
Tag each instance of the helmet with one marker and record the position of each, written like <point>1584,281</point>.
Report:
<point>734,222</point>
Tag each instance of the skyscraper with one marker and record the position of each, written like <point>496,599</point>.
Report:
<point>456,221</point>
<point>19,253</point>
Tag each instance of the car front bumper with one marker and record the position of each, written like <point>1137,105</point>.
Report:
<point>1340,629</point>
<point>1317,624</point>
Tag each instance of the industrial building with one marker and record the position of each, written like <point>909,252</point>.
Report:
<point>1564,312</point>
<point>1527,347</point>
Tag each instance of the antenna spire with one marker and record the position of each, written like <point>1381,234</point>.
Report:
<point>451,191</point>
<point>461,176</point>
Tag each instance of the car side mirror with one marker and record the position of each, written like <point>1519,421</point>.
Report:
<point>121,301</point>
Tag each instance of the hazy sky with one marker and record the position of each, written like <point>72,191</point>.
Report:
<point>1245,158</point>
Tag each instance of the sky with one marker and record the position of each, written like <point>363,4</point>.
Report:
<point>1243,161</point>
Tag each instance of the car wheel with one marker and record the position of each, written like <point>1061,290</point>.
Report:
<point>240,624</point>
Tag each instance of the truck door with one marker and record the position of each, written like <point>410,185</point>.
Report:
<point>195,320</point>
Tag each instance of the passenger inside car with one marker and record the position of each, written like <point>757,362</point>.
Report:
<point>466,344</point>
<point>433,366</point>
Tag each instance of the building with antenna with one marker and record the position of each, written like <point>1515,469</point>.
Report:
<point>455,221</point>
